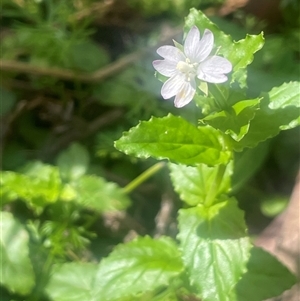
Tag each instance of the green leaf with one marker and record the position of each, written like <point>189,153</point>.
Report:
<point>136,267</point>
<point>193,184</point>
<point>247,162</point>
<point>175,139</point>
<point>240,53</point>
<point>279,111</point>
<point>73,162</point>
<point>266,274</point>
<point>16,269</point>
<point>97,194</point>
<point>72,282</point>
<point>215,248</point>
<point>39,185</point>
<point>236,121</point>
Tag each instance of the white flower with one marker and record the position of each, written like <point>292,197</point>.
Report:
<point>194,61</point>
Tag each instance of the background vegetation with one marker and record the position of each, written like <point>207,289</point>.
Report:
<point>74,76</point>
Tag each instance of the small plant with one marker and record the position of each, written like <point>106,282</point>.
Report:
<point>45,252</point>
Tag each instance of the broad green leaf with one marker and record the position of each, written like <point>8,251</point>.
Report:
<point>279,111</point>
<point>235,121</point>
<point>215,248</point>
<point>247,162</point>
<point>266,274</point>
<point>194,184</point>
<point>97,194</point>
<point>38,185</point>
<point>16,269</point>
<point>73,162</point>
<point>175,139</point>
<point>136,267</point>
<point>72,282</point>
<point>240,53</point>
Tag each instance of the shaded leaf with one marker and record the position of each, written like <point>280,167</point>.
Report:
<point>266,274</point>
<point>73,162</point>
<point>97,194</point>
<point>175,139</point>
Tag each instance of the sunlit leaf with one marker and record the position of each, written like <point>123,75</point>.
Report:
<point>175,139</point>
<point>136,267</point>
<point>38,185</point>
<point>16,268</point>
<point>193,184</point>
<point>279,110</point>
<point>215,248</point>
<point>72,282</point>
<point>236,121</point>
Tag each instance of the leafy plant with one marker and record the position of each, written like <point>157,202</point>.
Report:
<point>55,243</point>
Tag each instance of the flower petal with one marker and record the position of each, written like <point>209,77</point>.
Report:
<point>185,95</point>
<point>213,69</point>
<point>172,86</point>
<point>165,67</point>
<point>171,53</point>
<point>205,46</point>
<point>191,43</point>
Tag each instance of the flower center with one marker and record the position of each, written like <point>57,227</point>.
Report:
<point>188,69</point>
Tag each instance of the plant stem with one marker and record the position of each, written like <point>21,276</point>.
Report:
<point>215,185</point>
<point>143,177</point>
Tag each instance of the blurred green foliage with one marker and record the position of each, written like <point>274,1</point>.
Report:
<point>61,185</point>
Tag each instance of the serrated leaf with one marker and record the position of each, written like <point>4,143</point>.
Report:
<point>136,267</point>
<point>266,274</point>
<point>236,121</point>
<point>279,111</point>
<point>240,53</point>
<point>97,194</point>
<point>16,268</point>
<point>215,248</point>
<point>175,139</point>
<point>38,185</point>
<point>72,282</point>
<point>194,183</point>
<point>73,162</point>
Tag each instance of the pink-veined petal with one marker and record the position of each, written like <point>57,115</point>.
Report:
<point>165,67</point>
<point>213,69</point>
<point>172,86</point>
<point>205,46</point>
<point>185,95</point>
<point>171,53</point>
<point>191,43</point>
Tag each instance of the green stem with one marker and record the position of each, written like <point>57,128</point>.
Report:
<point>143,177</point>
<point>215,185</point>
